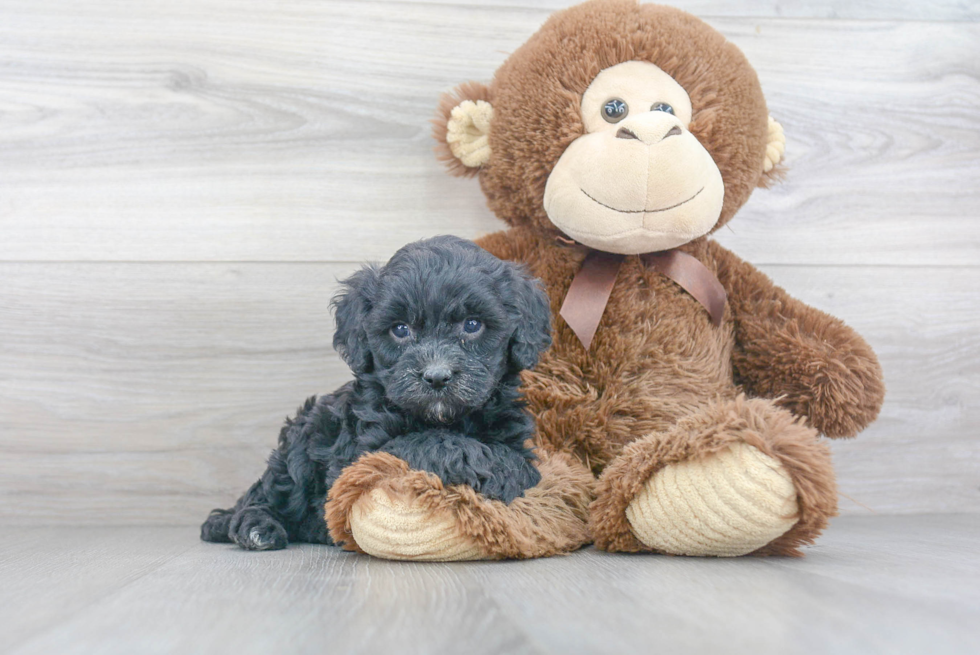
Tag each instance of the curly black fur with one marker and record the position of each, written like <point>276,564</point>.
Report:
<point>469,427</point>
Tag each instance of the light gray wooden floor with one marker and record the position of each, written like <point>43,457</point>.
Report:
<point>883,584</point>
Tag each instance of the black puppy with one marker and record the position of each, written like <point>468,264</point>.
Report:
<point>436,339</point>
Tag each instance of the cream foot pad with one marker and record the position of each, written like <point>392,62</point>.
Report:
<point>394,529</point>
<point>730,503</point>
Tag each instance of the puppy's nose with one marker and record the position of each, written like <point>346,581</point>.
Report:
<point>437,376</point>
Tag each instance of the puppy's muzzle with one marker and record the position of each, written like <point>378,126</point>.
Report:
<point>437,375</point>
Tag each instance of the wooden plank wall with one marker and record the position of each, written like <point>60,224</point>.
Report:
<point>182,183</point>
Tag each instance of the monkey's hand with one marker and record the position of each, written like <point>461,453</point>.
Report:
<point>803,359</point>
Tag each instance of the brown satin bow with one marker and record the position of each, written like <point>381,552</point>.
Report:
<point>586,299</point>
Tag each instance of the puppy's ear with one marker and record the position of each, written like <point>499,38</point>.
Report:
<point>530,309</point>
<point>351,306</point>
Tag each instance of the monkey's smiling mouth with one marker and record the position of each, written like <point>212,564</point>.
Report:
<point>640,211</point>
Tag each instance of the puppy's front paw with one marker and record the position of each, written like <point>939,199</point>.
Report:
<point>254,529</point>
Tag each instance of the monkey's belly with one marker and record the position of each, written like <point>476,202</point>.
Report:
<point>655,358</point>
<point>594,414</point>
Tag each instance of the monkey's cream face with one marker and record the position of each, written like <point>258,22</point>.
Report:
<point>637,181</point>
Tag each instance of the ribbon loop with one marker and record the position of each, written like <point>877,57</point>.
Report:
<point>694,277</point>
<point>591,287</point>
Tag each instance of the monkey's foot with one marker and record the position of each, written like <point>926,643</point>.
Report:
<point>382,507</point>
<point>730,503</point>
<point>397,528</point>
<point>740,476</point>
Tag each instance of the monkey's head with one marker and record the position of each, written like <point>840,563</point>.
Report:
<point>629,128</point>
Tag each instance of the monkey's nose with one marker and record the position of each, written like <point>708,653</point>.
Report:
<point>650,128</point>
<point>437,376</point>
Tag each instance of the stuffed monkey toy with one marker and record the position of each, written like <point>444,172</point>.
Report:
<point>681,406</point>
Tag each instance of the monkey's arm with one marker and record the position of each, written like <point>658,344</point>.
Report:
<point>807,361</point>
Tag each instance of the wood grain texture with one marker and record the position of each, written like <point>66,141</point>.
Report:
<point>872,585</point>
<point>151,393</point>
<point>933,10</point>
<point>298,131</point>
<point>50,575</point>
<point>182,183</point>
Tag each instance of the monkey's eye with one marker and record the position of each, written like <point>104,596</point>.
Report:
<point>401,331</point>
<point>614,110</point>
<point>472,326</point>
<point>662,106</point>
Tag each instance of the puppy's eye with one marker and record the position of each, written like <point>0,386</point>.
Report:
<point>472,326</point>
<point>401,331</point>
<point>662,106</point>
<point>614,110</point>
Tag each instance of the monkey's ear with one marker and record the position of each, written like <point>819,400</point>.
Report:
<point>775,147</point>
<point>462,128</point>
<point>351,306</point>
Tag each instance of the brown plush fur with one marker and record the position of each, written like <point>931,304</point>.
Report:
<point>656,358</point>
<point>549,519</point>
<point>660,383</point>
<point>537,92</point>
<point>756,422</point>
<point>812,363</point>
